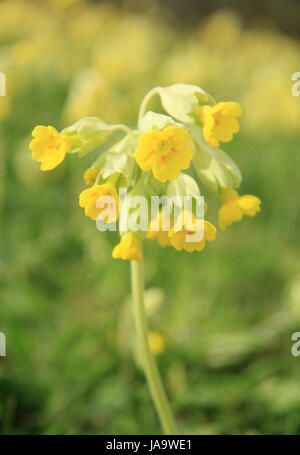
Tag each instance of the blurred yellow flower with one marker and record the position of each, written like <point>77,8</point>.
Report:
<point>129,248</point>
<point>49,147</point>
<point>219,122</point>
<point>157,342</point>
<point>90,200</point>
<point>180,234</point>
<point>165,151</point>
<point>234,207</point>
<point>90,175</point>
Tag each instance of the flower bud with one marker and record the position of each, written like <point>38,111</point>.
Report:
<point>213,166</point>
<point>182,100</point>
<point>120,159</point>
<point>87,134</point>
<point>154,121</point>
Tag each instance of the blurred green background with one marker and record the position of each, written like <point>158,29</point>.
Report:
<point>221,320</point>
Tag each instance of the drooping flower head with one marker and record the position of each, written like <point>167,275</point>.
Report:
<point>219,122</point>
<point>129,248</point>
<point>98,199</point>
<point>48,146</point>
<point>184,233</point>
<point>149,160</point>
<point>166,152</point>
<point>234,207</point>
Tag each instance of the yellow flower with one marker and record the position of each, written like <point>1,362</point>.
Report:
<point>129,248</point>
<point>90,175</point>
<point>219,122</point>
<point>157,342</point>
<point>234,207</point>
<point>91,197</point>
<point>159,231</point>
<point>48,146</point>
<point>182,229</point>
<point>165,151</point>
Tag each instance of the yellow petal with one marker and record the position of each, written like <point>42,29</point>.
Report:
<point>144,157</point>
<point>229,213</point>
<point>249,204</point>
<point>54,160</point>
<point>128,249</point>
<point>232,109</point>
<point>210,231</point>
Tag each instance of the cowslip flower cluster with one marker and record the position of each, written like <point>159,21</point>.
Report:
<point>156,158</point>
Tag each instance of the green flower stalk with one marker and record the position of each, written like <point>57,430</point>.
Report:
<point>149,365</point>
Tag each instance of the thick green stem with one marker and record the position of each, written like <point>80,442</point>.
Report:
<point>146,100</point>
<point>150,368</point>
